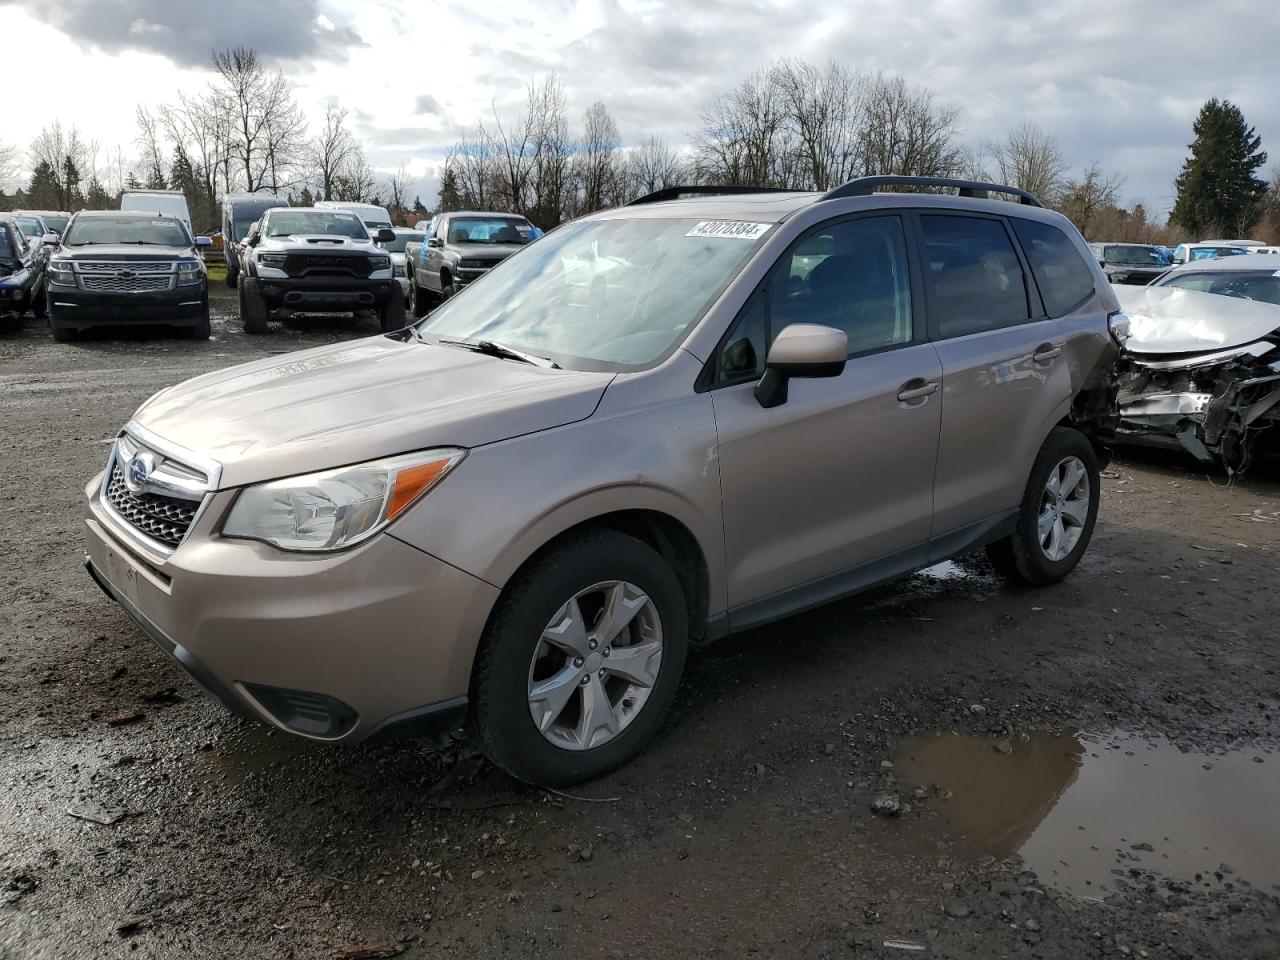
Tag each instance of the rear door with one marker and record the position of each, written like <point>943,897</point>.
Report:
<point>840,476</point>
<point>1004,374</point>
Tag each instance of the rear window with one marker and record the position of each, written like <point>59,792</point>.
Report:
<point>977,278</point>
<point>1065,280</point>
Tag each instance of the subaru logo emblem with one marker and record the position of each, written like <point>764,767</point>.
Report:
<point>138,471</point>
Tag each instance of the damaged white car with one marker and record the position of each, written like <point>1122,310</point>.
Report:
<point>1201,369</point>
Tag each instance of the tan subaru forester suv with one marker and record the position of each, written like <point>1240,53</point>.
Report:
<point>656,425</point>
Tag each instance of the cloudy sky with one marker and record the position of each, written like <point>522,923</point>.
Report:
<point>1115,81</point>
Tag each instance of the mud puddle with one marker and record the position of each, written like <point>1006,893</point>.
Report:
<point>1083,812</point>
<point>253,752</point>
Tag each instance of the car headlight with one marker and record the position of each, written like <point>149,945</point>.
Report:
<point>60,272</point>
<point>380,263</point>
<point>189,271</point>
<point>271,259</point>
<point>336,509</point>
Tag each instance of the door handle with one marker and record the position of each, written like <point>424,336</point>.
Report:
<point>918,392</point>
<point>1045,352</point>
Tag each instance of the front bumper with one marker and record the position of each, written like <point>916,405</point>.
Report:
<point>329,647</point>
<point>80,309</point>
<point>327,293</point>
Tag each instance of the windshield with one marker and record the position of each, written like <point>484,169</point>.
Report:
<point>327,222</point>
<point>1261,285</point>
<point>240,228</point>
<point>140,230</point>
<point>1133,256</point>
<point>490,230</point>
<point>401,241</point>
<point>1209,253</point>
<point>601,294</point>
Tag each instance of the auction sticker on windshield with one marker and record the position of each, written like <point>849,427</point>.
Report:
<point>730,229</point>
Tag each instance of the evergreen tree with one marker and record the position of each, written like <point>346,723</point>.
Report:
<point>96,197</point>
<point>450,191</point>
<point>45,193</point>
<point>1217,188</point>
<point>69,188</point>
<point>418,208</point>
<point>306,198</point>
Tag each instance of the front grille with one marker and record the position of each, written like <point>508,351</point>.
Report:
<point>164,519</point>
<point>134,266</point>
<point>468,263</point>
<point>117,284</point>
<point>327,265</point>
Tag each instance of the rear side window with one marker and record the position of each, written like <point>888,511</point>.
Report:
<point>977,278</point>
<point>1061,273</point>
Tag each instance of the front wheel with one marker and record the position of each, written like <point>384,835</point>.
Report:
<point>1057,515</point>
<point>391,314</point>
<point>253,310</point>
<point>40,302</point>
<point>581,661</point>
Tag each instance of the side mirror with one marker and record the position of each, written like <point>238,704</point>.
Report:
<point>252,241</point>
<point>801,350</point>
<point>1102,262</point>
<point>51,240</point>
<point>383,235</point>
<point>204,241</point>
<point>434,242</point>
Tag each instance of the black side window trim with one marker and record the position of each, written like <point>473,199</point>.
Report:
<point>1035,311</point>
<point>707,377</point>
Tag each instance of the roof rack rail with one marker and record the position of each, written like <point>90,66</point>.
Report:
<point>675,193</point>
<point>864,186</point>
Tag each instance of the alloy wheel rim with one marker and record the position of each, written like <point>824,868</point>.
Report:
<point>1064,508</point>
<point>595,665</point>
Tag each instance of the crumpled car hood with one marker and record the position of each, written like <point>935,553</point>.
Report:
<point>361,400</point>
<point>1173,320</point>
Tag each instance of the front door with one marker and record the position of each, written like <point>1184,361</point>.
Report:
<point>834,487</point>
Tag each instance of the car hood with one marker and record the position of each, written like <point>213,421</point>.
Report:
<point>1174,320</point>
<point>360,400</point>
<point>486,251</point>
<point>123,251</point>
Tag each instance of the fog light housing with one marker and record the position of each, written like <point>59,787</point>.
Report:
<point>311,714</point>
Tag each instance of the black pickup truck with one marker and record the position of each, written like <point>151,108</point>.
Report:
<point>118,267</point>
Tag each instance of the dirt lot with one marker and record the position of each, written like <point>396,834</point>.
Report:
<point>1119,731</point>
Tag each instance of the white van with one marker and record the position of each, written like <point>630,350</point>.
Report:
<point>371,216</point>
<point>172,203</point>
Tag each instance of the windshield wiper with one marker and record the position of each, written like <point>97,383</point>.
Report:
<point>491,349</point>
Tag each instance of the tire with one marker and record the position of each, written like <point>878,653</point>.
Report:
<point>64,334</point>
<point>391,314</point>
<point>40,302</point>
<point>448,289</point>
<point>253,312</point>
<point>201,330</point>
<point>1023,556</point>
<point>231,278</point>
<point>505,664</point>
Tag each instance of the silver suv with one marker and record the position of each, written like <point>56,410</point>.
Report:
<point>657,425</point>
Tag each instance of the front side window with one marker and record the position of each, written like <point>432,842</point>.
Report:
<point>1061,273</point>
<point>607,294</point>
<point>8,251</point>
<point>977,279</point>
<point>852,275</point>
<point>331,223</point>
<point>56,223</point>
<point>143,231</point>
<point>1260,285</point>
<point>29,228</point>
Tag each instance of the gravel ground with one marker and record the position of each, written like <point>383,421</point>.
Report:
<point>746,828</point>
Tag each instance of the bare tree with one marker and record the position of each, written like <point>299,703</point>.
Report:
<point>398,192</point>
<point>10,163</point>
<point>595,165</point>
<point>1083,199</point>
<point>513,146</point>
<point>199,126</point>
<point>266,126</point>
<point>67,155</point>
<point>549,123</point>
<point>1030,159</point>
<point>824,110</point>
<point>743,138</point>
<point>149,143</point>
<point>356,181</point>
<point>904,131</point>
<point>652,166</point>
<point>331,150</point>
<point>472,160</point>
